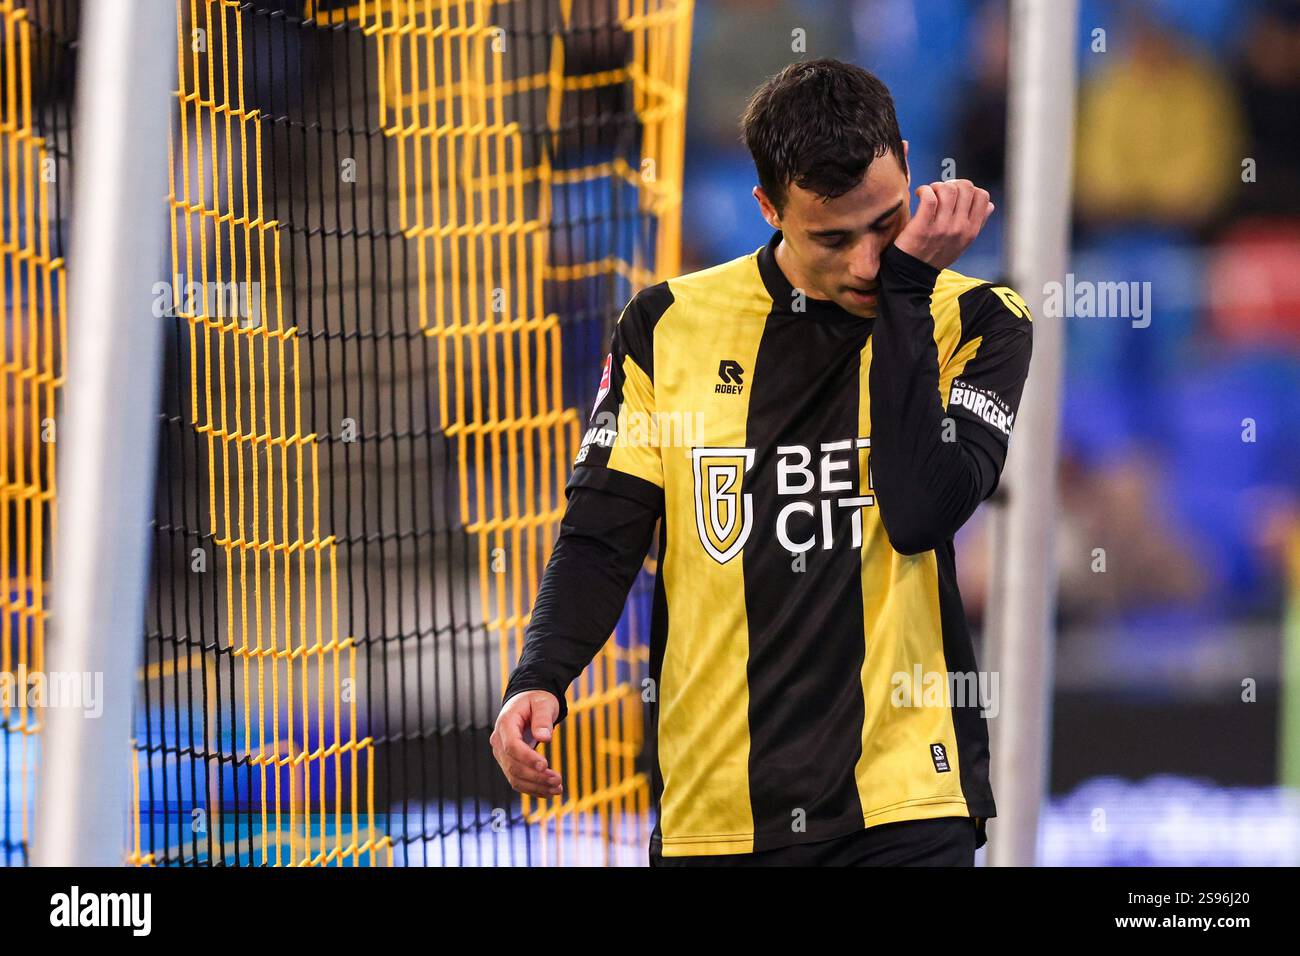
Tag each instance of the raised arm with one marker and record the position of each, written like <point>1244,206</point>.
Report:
<point>934,458</point>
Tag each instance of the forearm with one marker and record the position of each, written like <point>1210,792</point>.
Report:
<point>602,542</point>
<point>925,486</point>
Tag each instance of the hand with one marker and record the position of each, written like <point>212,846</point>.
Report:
<point>948,218</point>
<point>525,719</point>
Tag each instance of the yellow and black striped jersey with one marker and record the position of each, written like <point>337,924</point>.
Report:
<point>809,650</point>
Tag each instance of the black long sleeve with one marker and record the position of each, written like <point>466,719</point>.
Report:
<point>615,496</point>
<point>603,540</point>
<point>931,466</point>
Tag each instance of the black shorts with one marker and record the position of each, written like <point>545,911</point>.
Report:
<point>945,841</point>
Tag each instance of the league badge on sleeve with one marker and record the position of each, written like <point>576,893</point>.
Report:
<point>604,384</point>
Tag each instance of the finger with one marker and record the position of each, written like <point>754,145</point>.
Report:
<point>941,201</point>
<point>949,194</point>
<point>542,794</point>
<point>963,202</point>
<point>518,772</point>
<point>511,744</point>
<point>927,205</point>
<point>524,778</point>
<point>979,201</point>
<point>543,718</point>
<point>975,200</point>
<point>544,788</point>
<point>530,773</point>
<point>547,788</point>
<point>543,791</point>
<point>519,752</point>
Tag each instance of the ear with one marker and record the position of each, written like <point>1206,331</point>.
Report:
<point>766,207</point>
<point>907,168</point>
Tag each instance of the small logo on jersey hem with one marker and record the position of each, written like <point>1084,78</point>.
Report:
<point>939,754</point>
<point>730,372</point>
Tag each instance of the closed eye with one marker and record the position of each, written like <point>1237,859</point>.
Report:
<point>883,225</point>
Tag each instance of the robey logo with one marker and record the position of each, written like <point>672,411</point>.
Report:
<point>724,511</point>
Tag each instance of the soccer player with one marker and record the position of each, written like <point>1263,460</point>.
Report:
<point>857,398</point>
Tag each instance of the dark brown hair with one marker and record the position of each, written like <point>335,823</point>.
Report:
<point>819,124</point>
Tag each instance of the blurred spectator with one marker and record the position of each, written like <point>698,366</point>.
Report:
<point>1270,86</point>
<point>1118,543</point>
<point>981,142</point>
<point>1119,548</point>
<point>1160,133</point>
<point>740,43</point>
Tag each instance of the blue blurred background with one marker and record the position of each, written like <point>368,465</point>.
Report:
<point>1181,437</point>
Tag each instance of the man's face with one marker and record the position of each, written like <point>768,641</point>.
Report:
<point>832,247</point>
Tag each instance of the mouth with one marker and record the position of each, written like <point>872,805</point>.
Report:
<point>862,296</point>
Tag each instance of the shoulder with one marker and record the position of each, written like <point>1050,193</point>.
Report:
<point>653,301</point>
<point>966,307</point>
<point>634,333</point>
<point>725,290</point>
<point>741,272</point>
<point>729,289</point>
<point>644,310</point>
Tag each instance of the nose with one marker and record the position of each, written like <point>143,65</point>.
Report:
<point>864,261</point>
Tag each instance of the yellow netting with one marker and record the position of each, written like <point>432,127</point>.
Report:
<point>372,289</point>
<point>32,336</point>
<point>400,233</point>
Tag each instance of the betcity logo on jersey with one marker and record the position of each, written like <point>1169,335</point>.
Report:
<point>724,511</point>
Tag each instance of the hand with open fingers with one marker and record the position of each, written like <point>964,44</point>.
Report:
<point>527,719</point>
<point>949,215</point>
